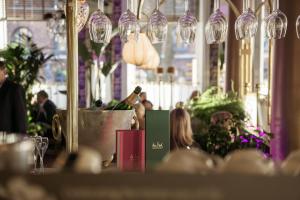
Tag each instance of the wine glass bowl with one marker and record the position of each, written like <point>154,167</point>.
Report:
<point>246,25</point>
<point>44,146</point>
<point>216,28</point>
<point>82,14</point>
<point>157,27</point>
<point>100,27</point>
<point>128,25</point>
<point>186,27</point>
<point>276,25</point>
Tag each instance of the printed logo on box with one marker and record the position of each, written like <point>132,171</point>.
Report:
<point>134,157</point>
<point>157,146</point>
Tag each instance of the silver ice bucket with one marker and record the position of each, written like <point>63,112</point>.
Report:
<point>16,152</point>
<point>96,128</point>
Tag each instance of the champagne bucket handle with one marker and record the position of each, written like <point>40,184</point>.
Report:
<point>56,127</point>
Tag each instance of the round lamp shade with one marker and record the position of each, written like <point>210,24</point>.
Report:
<point>140,52</point>
<point>152,61</point>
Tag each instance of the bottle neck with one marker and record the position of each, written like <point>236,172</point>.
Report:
<point>131,99</point>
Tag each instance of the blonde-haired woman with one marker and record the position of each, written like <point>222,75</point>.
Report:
<point>181,130</point>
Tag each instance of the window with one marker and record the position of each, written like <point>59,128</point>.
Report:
<point>3,35</point>
<point>29,9</point>
<point>166,90</point>
<point>26,17</point>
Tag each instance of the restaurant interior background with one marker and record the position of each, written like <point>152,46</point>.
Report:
<point>262,71</point>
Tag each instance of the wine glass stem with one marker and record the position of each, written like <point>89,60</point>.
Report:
<point>275,5</point>
<point>35,161</point>
<point>130,5</point>
<point>186,4</point>
<point>42,163</point>
<point>216,5</point>
<point>101,5</point>
<point>245,5</point>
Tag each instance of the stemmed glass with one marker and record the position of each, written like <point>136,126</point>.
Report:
<point>298,27</point>
<point>44,142</point>
<point>276,23</point>
<point>217,26</point>
<point>40,147</point>
<point>157,26</point>
<point>82,14</point>
<point>56,22</point>
<point>37,141</point>
<point>247,23</point>
<point>100,26</point>
<point>128,25</point>
<point>187,25</point>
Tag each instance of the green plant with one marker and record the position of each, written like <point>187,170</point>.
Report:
<point>221,124</point>
<point>23,61</point>
<point>212,101</point>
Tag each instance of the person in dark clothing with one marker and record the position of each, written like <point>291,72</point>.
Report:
<point>12,104</point>
<point>46,111</point>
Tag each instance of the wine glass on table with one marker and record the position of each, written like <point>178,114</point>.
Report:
<point>43,148</point>
<point>37,141</point>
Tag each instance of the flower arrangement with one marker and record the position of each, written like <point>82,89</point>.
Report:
<point>221,124</point>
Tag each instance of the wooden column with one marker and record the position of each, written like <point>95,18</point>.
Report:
<point>233,51</point>
<point>72,75</point>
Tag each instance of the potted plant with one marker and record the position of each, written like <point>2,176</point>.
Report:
<point>23,61</point>
<point>221,124</point>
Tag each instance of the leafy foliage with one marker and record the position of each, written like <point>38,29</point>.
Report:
<point>212,102</point>
<point>23,61</point>
<point>221,124</point>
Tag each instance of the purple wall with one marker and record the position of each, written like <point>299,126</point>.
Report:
<point>117,51</point>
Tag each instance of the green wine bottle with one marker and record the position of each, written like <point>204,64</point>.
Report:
<point>127,104</point>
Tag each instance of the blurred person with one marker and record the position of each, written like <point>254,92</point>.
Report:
<point>195,95</point>
<point>143,96</point>
<point>181,130</point>
<point>179,104</point>
<point>148,105</point>
<point>140,114</point>
<point>12,104</point>
<point>46,111</point>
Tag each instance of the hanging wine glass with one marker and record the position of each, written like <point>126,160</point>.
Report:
<point>276,23</point>
<point>157,26</point>
<point>56,22</point>
<point>187,25</point>
<point>217,26</point>
<point>128,24</point>
<point>82,14</point>
<point>298,27</point>
<point>100,26</point>
<point>246,25</point>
